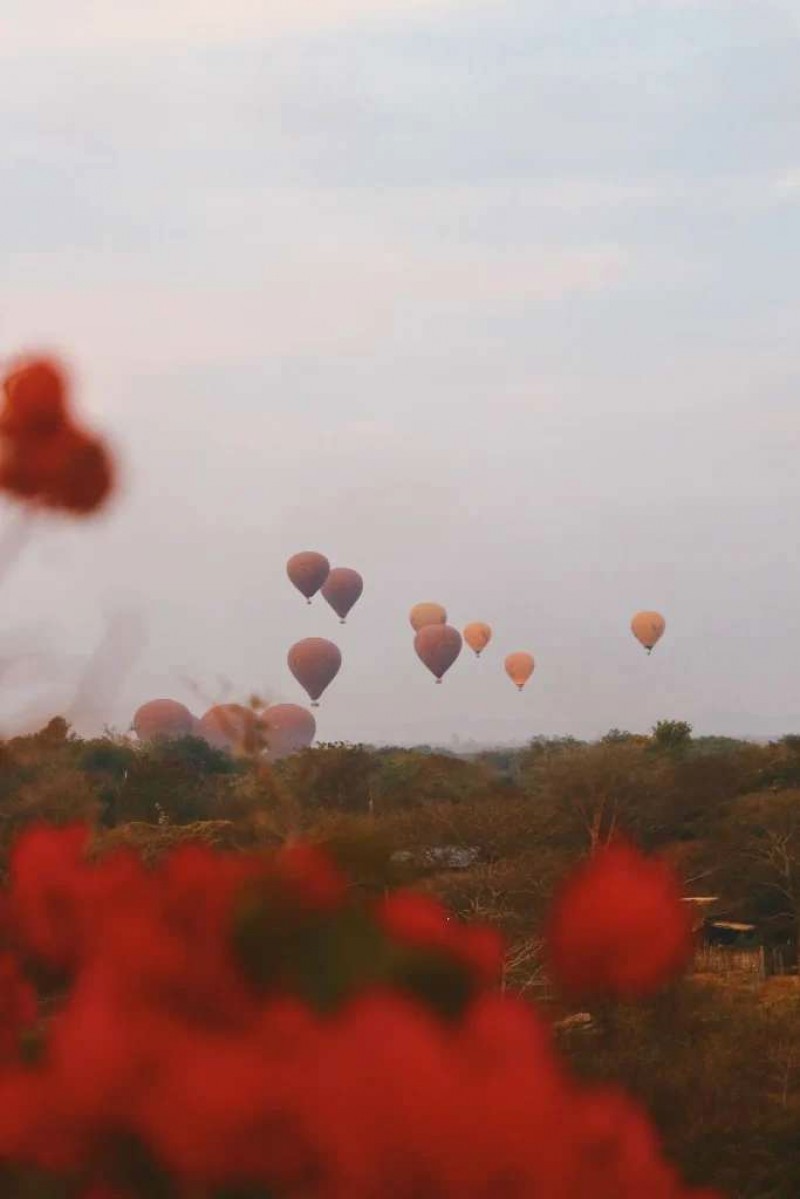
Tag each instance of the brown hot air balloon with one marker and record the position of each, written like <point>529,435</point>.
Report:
<point>438,646</point>
<point>342,589</point>
<point>477,636</point>
<point>519,668</point>
<point>163,719</point>
<point>308,571</point>
<point>230,727</point>
<point>648,628</point>
<point>315,663</point>
<point>422,615</point>
<point>286,728</point>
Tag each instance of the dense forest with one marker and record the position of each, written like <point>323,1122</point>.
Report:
<point>717,1058</point>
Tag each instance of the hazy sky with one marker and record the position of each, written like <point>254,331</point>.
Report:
<point>496,302</point>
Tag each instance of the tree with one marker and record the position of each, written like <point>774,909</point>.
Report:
<point>590,792</point>
<point>407,779</point>
<point>335,777</point>
<point>672,734</point>
<point>761,862</point>
<point>186,780</point>
<point>616,737</point>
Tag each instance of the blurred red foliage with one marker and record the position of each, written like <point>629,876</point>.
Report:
<point>47,458</point>
<point>250,1024</point>
<point>618,929</point>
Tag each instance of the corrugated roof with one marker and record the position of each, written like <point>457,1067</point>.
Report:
<point>733,926</point>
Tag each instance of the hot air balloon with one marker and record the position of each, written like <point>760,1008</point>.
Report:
<point>286,728</point>
<point>308,571</point>
<point>648,628</point>
<point>342,589</point>
<point>438,646</point>
<point>519,668</point>
<point>163,719</point>
<point>477,636</point>
<point>422,615</point>
<point>230,727</point>
<point>315,663</point>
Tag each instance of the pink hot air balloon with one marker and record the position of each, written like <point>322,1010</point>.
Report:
<point>286,728</point>
<point>308,571</point>
<point>438,646</point>
<point>342,589</point>
<point>230,727</point>
<point>162,719</point>
<point>315,663</point>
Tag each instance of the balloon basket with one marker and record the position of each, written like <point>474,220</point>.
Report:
<point>308,601</point>
<point>314,704</point>
<point>439,682</point>
<point>342,622</point>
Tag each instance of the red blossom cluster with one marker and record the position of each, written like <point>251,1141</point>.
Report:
<point>619,928</point>
<point>250,1025</point>
<point>47,458</point>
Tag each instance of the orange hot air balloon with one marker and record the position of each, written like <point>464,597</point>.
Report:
<point>315,663</point>
<point>307,572</point>
<point>477,636</point>
<point>422,615</point>
<point>286,728</point>
<point>342,589</point>
<point>163,719</point>
<point>648,628</point>
<point>519,668</point>
<point>438,646</point>
<point>230,727</point>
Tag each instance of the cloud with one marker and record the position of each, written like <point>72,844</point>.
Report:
<point>787,184</point>
<point>341,302</point>
<point>48,25</point>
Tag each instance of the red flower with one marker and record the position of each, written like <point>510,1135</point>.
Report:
<point>45,874</point>
<point>219,1111</point>
<point>421,922</point>
<point>618,928</point>
<point>46,457</point>
<point>68,470</point>
<point>19,1005</point>
<point>160,1045</point>
<point>35,400</point>
<point>312,876</point>
<point>84,478</point>
<point>415,919</point>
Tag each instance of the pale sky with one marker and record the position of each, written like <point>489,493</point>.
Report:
<point>496,302</point>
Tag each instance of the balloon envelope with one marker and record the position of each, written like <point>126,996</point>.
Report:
<point>230,727</point>
<point>519,668</point>
<point>648,628</point>
<point>162,718</point>
<point>286,728</point>
<point>438,646</point>
<point>308,571</point>
<point>315,663</point>
<point>477,636</point>
<point>342,589</point>
<point>422,615</point>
